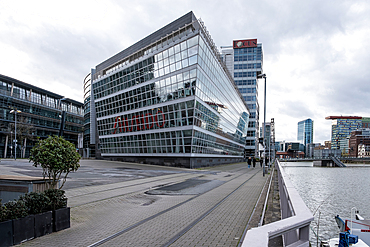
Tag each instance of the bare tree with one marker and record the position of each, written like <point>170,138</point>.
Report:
<point>25,131</point>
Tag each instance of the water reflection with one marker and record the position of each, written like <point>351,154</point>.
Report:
<point>331,191</point>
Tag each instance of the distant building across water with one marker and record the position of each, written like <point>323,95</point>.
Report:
<point>305,133</point>
<point>341,129</point>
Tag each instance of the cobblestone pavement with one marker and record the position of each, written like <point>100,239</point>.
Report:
<point>120,212</point>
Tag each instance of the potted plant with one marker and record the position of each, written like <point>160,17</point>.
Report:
<point>38,205</point>
<point>23,224</point>
<point>58,158</point>
<point>58,205</point>
<point>6,228</point>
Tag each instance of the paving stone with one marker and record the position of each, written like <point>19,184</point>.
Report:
<point>103,210</point>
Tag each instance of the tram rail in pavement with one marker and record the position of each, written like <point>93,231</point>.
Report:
<point>123,214</point>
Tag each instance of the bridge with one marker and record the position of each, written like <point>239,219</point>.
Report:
<point>329,161</point>
<point>353,159</point>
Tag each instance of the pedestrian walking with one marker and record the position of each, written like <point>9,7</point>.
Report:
<point>249,162</point>
<point>254,162</point>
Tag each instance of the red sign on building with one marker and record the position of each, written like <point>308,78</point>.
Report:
<point>138,122</point>
<point>245,43</point>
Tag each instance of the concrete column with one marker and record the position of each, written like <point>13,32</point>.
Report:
<point>11,91</point>
<point>24,150</point>
<point>6,146</point>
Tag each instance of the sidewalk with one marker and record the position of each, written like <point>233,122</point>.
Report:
<point>212,212</point>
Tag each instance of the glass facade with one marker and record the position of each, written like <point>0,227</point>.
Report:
<point>176,100</point>
<point>305,132</point>
<point>342,127</point>
<point>245,63</point>
<point>40,116</point>
<point>88,149</point>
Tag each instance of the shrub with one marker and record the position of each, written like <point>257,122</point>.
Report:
<point>36,202</point>
<point>2,212</point>
<point>15,209</point>
<point>56,156</point>
<point>57,199</point>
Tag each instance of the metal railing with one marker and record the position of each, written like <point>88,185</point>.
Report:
<point>295,223</point>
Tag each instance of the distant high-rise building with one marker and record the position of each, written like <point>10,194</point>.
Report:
<point>267,137</point>
<point>341,128</point>
<point>305,132</point>
<point>244,60</point>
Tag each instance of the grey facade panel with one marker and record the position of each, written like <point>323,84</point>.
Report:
<point>173,26</point>
<point>38,90</point>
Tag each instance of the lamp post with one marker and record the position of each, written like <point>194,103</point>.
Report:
<point>15,132</point>
<point>264,124</point>
<point>11,146</point>
<point>269,148</point>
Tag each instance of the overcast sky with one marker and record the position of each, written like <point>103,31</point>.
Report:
<point>316,53</point>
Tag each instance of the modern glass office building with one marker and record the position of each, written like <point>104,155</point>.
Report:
<point>88,145</point>
<point>305,133</point>
<point>244,59</point>
<point>168,99</point>
<point>40,113</point>
<point>341,128</point>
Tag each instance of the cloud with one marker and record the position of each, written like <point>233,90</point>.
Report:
<point>315,52</point>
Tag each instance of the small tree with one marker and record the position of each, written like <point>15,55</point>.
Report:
<point>56,156</point>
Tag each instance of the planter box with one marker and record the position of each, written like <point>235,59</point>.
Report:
<point>23,229</point>
<point>43,224</point>
<point>61,219</point>
<point>6,233</point>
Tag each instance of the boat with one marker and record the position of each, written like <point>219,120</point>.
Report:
<point>353,232</point>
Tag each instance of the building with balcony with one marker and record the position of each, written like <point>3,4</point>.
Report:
<point>244,60</point>
<point>167,99</point>
<point>363,151</point>
<point>40,113</point>
<point>357,138</point>
<point>341,127</point>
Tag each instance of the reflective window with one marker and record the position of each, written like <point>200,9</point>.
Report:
<point>130,120</point>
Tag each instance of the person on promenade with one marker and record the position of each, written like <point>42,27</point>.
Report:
<point>254,162</point>
<point>249,162</point>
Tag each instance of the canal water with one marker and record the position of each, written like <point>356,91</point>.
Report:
<point>330,191</point>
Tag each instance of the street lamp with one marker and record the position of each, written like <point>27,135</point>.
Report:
<point>11,146</point>
<point>264,124</point>
<point>15,132</point>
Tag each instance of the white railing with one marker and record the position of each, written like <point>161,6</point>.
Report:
<point>295,223</point>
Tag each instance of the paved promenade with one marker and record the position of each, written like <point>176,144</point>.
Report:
<point>125,204</point>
